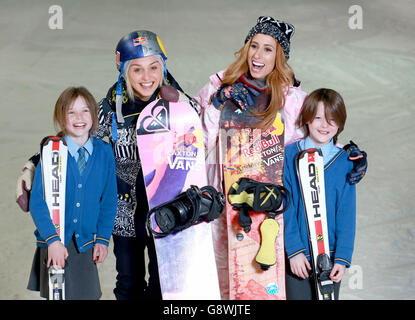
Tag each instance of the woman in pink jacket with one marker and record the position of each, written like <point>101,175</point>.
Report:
<point>260,66</point>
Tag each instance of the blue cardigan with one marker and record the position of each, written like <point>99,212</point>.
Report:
<point>90,203</point>
<point>340,205</point>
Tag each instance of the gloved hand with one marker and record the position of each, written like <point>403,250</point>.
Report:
<point>24,185</point>
<point>359,159</point>
<point>238,93</point>
<point>169,93</point>
<point>172,94</point>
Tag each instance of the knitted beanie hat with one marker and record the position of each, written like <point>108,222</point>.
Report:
<point>279,30</point>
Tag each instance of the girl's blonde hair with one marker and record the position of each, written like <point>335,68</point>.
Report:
<point>278,82</point>
<point>334,108</point>
<point>130,90</point>
<point>65,101</point>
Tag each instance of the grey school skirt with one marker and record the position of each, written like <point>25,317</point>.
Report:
<point>81,274</point>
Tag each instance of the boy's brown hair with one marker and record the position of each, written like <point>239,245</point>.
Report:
<point>334,108</point>
<point>65,101</point>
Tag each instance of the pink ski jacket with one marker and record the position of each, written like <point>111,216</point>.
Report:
<point>210,122</point>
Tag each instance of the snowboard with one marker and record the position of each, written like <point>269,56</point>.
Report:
<point>53,156</point>
<point>310,171</point>
<point>259,155</point>
<point>171,151</point>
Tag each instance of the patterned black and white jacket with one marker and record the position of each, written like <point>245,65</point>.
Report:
<point>130,182</point>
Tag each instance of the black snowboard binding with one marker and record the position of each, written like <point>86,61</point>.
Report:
<point>188,208</point>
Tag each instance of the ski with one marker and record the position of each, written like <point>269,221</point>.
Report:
<point>53,155</point>
<point>310,171</point>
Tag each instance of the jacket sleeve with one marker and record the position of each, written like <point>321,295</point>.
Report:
<point>39,210</point>
<point>292,238</point>
<point>210,117</point>
<point>345,225</point>
<point>293,103</point>
<point>109,201</point>
<point>103,127</point>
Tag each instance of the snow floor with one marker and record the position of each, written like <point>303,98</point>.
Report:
<point>372,67</point>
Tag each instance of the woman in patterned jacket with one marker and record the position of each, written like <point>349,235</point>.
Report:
<point>143,78</point>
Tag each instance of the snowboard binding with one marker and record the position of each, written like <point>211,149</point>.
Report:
<point>188,208</point>
<point>250,195</point>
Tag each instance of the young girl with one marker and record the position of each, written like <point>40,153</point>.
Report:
<point>322,116</point>
<point>91,203</point>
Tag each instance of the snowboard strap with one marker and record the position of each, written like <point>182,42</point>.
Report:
<point>250,195</point>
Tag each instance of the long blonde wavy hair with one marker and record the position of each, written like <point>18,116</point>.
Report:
<point>278,82</point>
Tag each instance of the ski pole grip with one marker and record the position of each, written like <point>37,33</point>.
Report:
<point>266,256</point>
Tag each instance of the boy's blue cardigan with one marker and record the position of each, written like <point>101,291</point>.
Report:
<point>90,202</point>
<point>340,205</point>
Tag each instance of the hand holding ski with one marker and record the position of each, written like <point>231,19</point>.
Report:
<point>337,272</point>
<point>57,254</point>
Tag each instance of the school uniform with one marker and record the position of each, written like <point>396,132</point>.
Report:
<point>341,213</point>
<point>90,209</point>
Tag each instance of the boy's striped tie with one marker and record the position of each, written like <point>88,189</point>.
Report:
<point>81,160</point>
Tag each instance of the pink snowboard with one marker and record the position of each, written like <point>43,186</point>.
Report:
<point>170,144</point>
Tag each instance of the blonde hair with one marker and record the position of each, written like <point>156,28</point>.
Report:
<point>65,101</point>
<point>130,90</point>
<point>278,82</point>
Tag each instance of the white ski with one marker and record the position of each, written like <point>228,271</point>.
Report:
<point>310,171</point>
<point>54,154</point>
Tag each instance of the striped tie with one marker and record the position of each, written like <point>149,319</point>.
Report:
<point>81,160</point>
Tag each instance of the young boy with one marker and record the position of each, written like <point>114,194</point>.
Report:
<point>90,203</point>
<point>322,116</point>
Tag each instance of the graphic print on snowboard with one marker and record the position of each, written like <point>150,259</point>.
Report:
<point>258,155</point>
<point>170,144</point>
